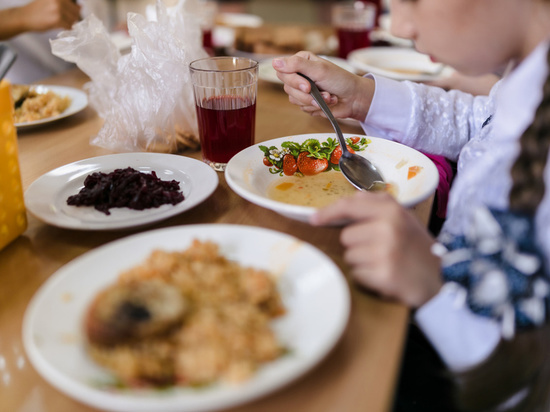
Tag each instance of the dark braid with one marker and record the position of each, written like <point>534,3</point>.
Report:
<point>523,362</point>
<point>528,170</point>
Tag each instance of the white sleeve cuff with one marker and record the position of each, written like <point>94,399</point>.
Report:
<point>390,109</point>
<point>462,338</point>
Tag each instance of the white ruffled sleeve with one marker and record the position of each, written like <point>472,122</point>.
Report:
<point>462,338</point>
<point>427,118</point>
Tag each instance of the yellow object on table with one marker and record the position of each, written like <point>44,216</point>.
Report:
<point>13,217</point>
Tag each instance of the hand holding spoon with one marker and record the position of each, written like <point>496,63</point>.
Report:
<point>360,172</point>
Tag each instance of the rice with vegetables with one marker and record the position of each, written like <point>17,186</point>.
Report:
<point>185,318</point>
<point>31,105</point>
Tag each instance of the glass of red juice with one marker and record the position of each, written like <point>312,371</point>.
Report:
<point>353,22</point>
<point>225,90</point>
<point>379,9</point>
<point>207,13</point>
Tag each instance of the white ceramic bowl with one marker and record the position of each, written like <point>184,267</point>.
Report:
<point>250,178</point>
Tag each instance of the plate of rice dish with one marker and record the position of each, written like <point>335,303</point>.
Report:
<point>40,104</point>
<point>194,318</point>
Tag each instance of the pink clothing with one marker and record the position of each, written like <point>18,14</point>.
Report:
<point>446,175</point>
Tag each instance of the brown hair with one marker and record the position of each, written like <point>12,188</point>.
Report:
<point>522,363</point>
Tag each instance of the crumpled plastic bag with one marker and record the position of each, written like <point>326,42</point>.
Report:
<point>146,96</point>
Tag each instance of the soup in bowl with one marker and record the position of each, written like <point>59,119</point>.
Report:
<point>257,173</point>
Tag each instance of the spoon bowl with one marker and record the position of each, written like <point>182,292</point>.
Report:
<point>360,172</point>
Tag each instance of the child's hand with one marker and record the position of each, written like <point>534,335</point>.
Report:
<point>347,94</point>
<point>387,248</point>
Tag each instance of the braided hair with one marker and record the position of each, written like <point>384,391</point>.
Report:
<point>521,365</point>
<point>528,170</point>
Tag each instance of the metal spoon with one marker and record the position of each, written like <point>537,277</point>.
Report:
<point>7,57</point>
<point>360,172</point>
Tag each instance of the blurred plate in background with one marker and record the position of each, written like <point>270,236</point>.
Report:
<point>79,101</point>
<point>238,20</point>
<point>398,63</point>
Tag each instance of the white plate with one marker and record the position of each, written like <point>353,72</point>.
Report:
<point>250,178</point>
<point>384,33</point>
<point>223,36</point>
<point>223,33</point>
<point>259,57</point>
<point>46,197</point>
<point>386,61</point>
<point>267,72</point>
<point>239,20</point>
<point>349,122</point>
<point>79,101</point>
<point>122,41</point>
<point>381,35</point>
<point>313,289</point>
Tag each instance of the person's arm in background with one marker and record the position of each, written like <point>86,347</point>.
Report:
<point>38,16</point>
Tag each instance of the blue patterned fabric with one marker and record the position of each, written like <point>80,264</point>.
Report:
<point>501,268</point>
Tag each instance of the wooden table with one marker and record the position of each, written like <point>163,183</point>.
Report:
<point>358,375</point>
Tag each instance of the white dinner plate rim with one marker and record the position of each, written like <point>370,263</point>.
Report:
<point>122,41</point>
<point>355,58</point>
<point>259,57</point>
<point>79,101</point>
<point>171,238</point>
<point>236,163</point>
<point>234,19</point>
<point>42,203</point>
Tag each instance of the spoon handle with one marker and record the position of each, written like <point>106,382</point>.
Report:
<point>316,94</point>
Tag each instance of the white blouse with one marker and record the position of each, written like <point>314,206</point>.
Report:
<point>481,134</point>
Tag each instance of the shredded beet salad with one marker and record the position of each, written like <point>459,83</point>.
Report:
<point>126,188</point>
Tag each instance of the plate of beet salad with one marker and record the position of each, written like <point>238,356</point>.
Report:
<point>120,191</point>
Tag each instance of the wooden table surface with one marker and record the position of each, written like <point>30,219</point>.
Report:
<point>358,375</point>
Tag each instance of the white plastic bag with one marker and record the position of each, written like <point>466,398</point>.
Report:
<point>146,96</point>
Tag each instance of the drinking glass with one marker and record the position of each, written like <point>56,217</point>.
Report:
<point>207,16</point>
<point>353,22</point>
<point>379,9</point>
<point>225,91</point>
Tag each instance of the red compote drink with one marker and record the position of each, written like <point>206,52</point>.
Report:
<point>226,126</point>
<point>207,39</point>
<point>353,23</point>
<point>349,40</point>
<point>225,96</point>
